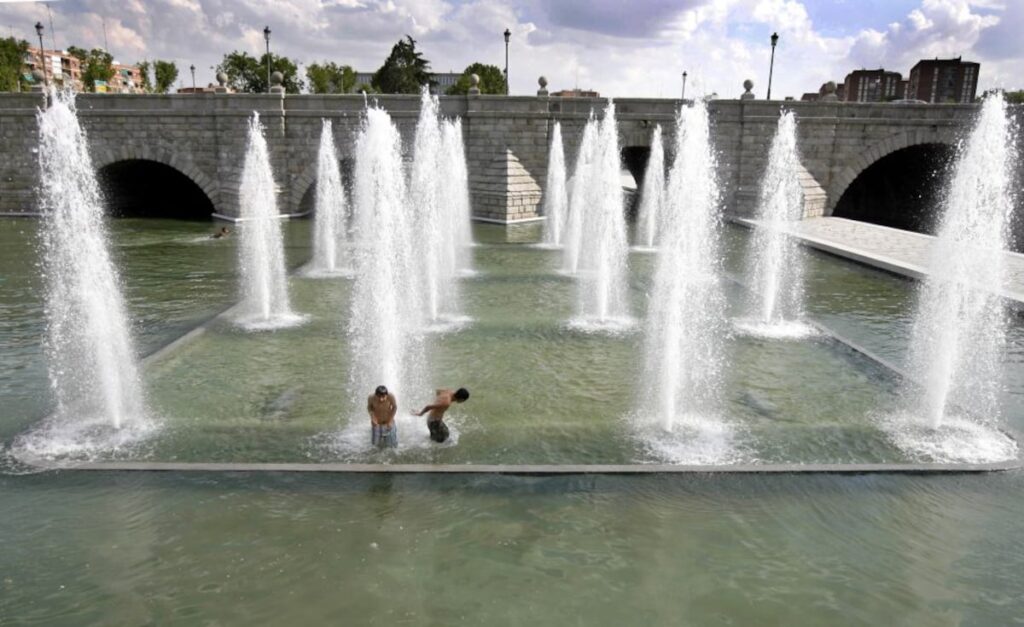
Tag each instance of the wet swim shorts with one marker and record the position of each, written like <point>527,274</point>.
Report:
<point>438,430</point>
<point>384,436</point>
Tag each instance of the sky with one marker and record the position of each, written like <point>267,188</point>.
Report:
<point>619,48</point>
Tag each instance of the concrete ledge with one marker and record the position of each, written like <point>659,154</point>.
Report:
<point>548,469</point>
<point>506,222</point>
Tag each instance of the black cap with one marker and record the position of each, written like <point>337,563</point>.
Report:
<point>381,390</point>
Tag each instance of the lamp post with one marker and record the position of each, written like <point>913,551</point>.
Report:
<point>266,35</point>
<point>42,56</point>
<point>508,35</point>
<point>193,68</point>
<point>771,66</point>
<point>683,96</point>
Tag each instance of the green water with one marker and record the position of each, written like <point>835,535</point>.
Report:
<point>112,548</point>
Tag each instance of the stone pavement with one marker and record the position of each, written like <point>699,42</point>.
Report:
<point>901,252</point>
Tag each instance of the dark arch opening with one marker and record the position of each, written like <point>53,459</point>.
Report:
<point>307,204</point>
<point>634,159</point>
<point>902,190</point>
<point>149,189</point>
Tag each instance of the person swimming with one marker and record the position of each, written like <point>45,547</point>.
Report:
<point>443,399</point>
<point>223,232</point>
<point>382,407</point>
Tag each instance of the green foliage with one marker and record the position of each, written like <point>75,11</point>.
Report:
<point>404,72</point>
<point>79,53</point>
<point>165,73</point>
<point>363,88</point>
<point>144,66</point>
<point>330,78</point>
<point>98,67</point>
<point>1014,97</point>
<point>492,80</point>
<point>249,74</point>
<point>12,53</point>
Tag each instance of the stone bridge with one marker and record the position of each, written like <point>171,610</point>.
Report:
<point>181,155</point>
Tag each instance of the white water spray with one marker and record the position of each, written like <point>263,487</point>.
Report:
<point>93,366</point>
<point>265,303</point>
<point>386,319</point>
<point>555,198</point>
<point>652,203</point>
<point>604,247</point>
<point>776,266</point>
<point>439,235</point>
<point>580,195</point>
<point>960,329</point>
<point>330,232</point>
<point>455,177</point>
<point>685,323</point>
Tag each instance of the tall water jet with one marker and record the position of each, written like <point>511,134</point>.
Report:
<point>93,366</point>
<point>960,328</point>
<point>580,194</point>
<point>685,319</point>
<point>556,199</point>
<point>264,287</point>
<point>776,262</point>
<point>455,177</point>
<point>437,243</point>
<point>652,202</point>
<point>386,314</point>
<point>331,210</point>
<point>604,247</point>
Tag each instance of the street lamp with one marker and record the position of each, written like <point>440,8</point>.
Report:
<point>508,35</point>
<point>266,35</point>
<point>771,66</point>
<point>42,57</point>
<point>683,97</point>
<point>193,68</point>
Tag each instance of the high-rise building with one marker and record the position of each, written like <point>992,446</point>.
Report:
<point>943,80</point>
<point>872,86</point>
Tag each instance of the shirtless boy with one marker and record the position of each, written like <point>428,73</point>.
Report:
<point>443,399</point>
<point>382,408</point>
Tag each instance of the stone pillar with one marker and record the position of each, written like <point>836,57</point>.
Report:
<point>222,83</point>
<point>830,93</point>
<point>474,85</point>
<point>275,83</point>
<point>543,91</point>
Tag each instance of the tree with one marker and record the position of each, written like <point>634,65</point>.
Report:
<point>144,66</point>
<point>1015,97</point>
<point>404,72</point>
<point>363,88</point>
<point>249,74</point>
<point>492,80</point>
<point>98,65</point>
<point>330,78</point>
<point>165,73</point>
<point>79,53</point>
<point>12,55</point>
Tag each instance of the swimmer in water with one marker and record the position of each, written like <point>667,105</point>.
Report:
<point>443,399</point>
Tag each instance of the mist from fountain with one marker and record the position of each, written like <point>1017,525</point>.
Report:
<point>685,327</point>
<point>602,267</point>
<point>386,316</point>
<point>441,236</point>
<point>652,202</point>
<point>92,360</point>
<point>330,215</point>
<point>265,303</point>
<point>775,259</point>
<point>556,199</point>
<point>580,196</point>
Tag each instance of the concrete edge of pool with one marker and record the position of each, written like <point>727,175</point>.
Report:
<point>543,469</point>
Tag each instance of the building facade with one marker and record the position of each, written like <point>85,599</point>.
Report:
<point>944,80</point>
<point>60,67</point>
<point>872,86</point>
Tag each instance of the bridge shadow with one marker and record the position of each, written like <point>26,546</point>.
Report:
<point>143,188</point>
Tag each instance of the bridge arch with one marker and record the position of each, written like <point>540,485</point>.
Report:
<point>302,198</point>
<point>908,161</point>
<point>154,182</point>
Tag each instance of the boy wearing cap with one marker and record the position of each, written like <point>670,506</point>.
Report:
<point>382,408</point>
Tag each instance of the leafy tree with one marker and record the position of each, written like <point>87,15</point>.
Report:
<point>249,74</point>
<point>363,88</point>
<point>165,72</point>
<point>492,80</point>
<point>144,66</point>
<point>98,66</point>
<point>404,72</point>
<point>1015,97</point>
<point>79,53</point>
<point>12,54</point>
<point>330,78</point>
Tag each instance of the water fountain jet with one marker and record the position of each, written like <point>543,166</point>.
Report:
<point>330,229</point>
<point>556,199</point>
<point>652,202</point>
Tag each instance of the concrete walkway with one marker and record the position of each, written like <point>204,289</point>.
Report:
<point>900,252</point>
